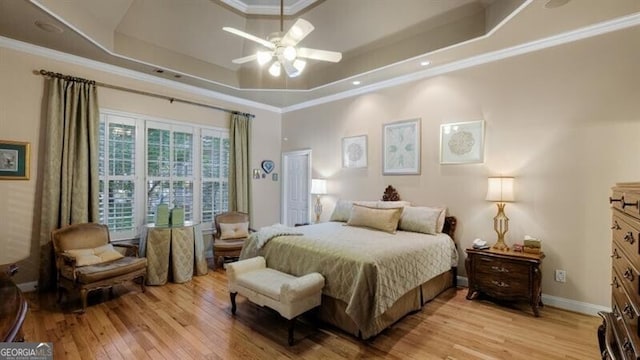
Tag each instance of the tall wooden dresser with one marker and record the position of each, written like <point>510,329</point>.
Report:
<point>618,335</point>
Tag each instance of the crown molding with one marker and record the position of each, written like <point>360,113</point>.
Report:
<point>136,75</point>
<point>560,39</point>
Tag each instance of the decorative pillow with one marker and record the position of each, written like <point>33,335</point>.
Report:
<point>379,219</point>
<point>420,219</point>
<point>391,204</point>
<point>94,256</point>
<point>234,231</point>
<point>370,204</point>
<point>342,211</point>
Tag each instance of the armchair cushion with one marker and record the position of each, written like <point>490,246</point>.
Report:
<point>92,273</point>
<point>97,255</point>
<point>234,230</point>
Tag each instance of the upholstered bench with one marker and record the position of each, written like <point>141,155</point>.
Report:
<point>287,294</point>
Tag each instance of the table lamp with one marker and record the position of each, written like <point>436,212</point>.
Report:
<point>500,190</point>
<point>318,187</point>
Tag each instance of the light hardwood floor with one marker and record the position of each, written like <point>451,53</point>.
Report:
<point>193,321</point>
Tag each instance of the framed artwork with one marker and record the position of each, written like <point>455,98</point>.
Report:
<point>401,148</point>
<point>462,143</point>
<point>354,151</point>
<point>14,160</point>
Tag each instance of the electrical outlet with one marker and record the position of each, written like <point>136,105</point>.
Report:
<point>561,276</point>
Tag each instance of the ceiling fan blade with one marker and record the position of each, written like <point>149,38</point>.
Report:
<point>298,31</point>
<point>245,35</point>
<point>324,55</point>
<point>245,59</point>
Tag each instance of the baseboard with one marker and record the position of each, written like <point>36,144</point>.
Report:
<point>28,286</point>
<point>558,302</point>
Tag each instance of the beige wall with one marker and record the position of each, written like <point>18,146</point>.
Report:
<point>564,121</point>
<point>21,120</point>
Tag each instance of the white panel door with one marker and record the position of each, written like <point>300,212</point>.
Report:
<point>296,186</point>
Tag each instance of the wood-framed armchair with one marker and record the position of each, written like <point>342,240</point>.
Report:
<point>86,260</point>
<point>232,229</point>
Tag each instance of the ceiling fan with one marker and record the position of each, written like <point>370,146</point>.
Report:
<point>282,50</point>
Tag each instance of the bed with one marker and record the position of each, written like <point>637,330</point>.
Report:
<point>373,278</point>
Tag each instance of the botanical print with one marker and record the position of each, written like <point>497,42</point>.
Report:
<point>354,152</point>
<point>8,160</point>
<point>402,148</point>
<point>462,143</point>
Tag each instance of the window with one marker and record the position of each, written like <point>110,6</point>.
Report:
<point>215,173</point>
<point>165,162</point>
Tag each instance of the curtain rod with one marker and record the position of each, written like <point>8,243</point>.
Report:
<point>139,92</point>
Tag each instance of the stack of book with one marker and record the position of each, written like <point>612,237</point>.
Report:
<point>532,245</point>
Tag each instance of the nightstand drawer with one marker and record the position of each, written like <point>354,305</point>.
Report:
<point>500,267</point>
<point>627,316</point>
<point>503,288</point>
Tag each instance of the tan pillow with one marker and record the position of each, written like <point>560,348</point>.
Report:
<point>234,231</point>
<point>94,256</point>
<point>420,219</point>
<point>379,219</point>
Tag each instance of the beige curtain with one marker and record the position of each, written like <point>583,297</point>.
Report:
<point>70,179</point>
<point>239,166</point>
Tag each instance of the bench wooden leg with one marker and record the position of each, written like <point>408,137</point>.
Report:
<point>233,302</point>
<point>292,323</point>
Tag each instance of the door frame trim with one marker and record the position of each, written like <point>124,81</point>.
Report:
<point>285,155</point>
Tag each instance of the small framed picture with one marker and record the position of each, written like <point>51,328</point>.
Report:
<point>14,160</point>
<point>274,176</point>
<point>462,143</point>
<point>354,151</point>
<point>401,148</point>
<point>256,173</point>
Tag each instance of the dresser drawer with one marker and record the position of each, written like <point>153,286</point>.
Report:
<point>626,275</point>
<point>626,201</point>
<point>626,236</point>
<point>627,312</point>
<point>626,333</point>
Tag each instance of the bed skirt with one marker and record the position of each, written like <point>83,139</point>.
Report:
<point>332,310</point>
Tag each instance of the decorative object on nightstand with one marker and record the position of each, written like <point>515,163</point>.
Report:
<point>618,335</point>
<point>318,188</point>
<point>505,275</point>
<point>532,245</point>
<point>500,191</point>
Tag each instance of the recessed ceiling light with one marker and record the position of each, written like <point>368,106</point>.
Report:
<point>48,27</point>
<point>356,82</point>
<point>425,63</point>
<point>159,71</point>
<point>552,4</point>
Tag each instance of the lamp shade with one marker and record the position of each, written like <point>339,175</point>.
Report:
<point>318,186</point>
<point>500,189</point>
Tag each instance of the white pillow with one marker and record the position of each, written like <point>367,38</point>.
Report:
<point>234,230</point>
<point>420,219</point>
<point>342,211</point>
<point>391,204</point>
<point>94,256</point>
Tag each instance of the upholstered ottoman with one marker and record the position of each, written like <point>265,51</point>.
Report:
<point>287,294</point>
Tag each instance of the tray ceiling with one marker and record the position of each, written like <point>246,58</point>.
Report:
<point>381,40</point>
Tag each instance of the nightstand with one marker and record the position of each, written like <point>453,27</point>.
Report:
<point>505,275</point>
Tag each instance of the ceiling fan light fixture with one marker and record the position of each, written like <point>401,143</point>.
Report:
<point>299,65</point>
<point>275,69</point>
<point>264,57</point>
<point>290,53</point>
